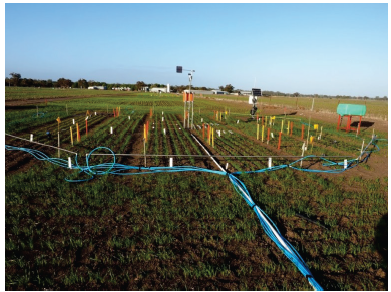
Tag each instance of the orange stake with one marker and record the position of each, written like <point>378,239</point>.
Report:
<point>268,134</point>
<point>302,132</point>
<point>291,128</point>
<point>279,141</point>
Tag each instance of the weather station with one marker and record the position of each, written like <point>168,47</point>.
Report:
<point>253,99</point>
<point>188,99</point>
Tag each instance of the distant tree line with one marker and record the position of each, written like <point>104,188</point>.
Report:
<point>16,79</point>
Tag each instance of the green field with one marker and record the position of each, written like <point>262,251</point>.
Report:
<point>187,230</point>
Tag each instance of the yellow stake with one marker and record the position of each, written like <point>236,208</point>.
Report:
<point>282,125</point>
<point>213,139</point>
<point>71,135</point>
<point>263,131</point>
<point>77,131</point>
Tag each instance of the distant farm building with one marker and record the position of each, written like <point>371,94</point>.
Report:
<point>158,89</point>
<point>214,91</point>
<point>199,91</point>
<point>98,87</point>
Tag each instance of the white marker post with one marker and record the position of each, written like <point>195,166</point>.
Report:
<point>164,131</point>
<point>58,144</point>
<point>171,162</point>
<point>362,148</point>
<point>69,163</point>
<point>73,120</point>
<point>270,162</point>
<point>31,137</point>
<point>111,130</point>
<point>345,163</point>
<point>302,154</point>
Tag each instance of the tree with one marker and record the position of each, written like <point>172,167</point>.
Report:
<point>296,94</point>
<point>64,83</point>
<point>15,78</point>
<point>82,83</point>
<point>229,88</point>
<point>221,87</point>
<point>140,85</point>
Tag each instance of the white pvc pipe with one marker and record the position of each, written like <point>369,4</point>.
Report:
<point>31,137</point>
<point>270,162</point>
<point>69,163</point>
<point>111,130</point>
<point>164,131</point>
<point>345,163</point>
<point>171,162</point>
<point>73,120</point>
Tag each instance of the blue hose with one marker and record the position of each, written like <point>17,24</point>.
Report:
<point>267,224</point>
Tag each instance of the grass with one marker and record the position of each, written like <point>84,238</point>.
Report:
<point>186,230</point>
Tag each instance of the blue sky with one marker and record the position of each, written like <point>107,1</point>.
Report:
<point>307,48</point>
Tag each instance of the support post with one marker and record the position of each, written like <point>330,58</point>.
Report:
<point>359,125</point>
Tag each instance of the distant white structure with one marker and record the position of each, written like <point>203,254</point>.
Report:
<point>98,87</point>
<point>168,87</point>
<point>220,92</point>
<point>158,89</point>
<point>199,91</point>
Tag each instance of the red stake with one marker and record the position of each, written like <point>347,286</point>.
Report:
<point>279,141</point>
<point>302,132</point>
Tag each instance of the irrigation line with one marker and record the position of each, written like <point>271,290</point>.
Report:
<point>268,225</point>
<point>41,144</point>
<point>208,155</point>
<point>222,156</point>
